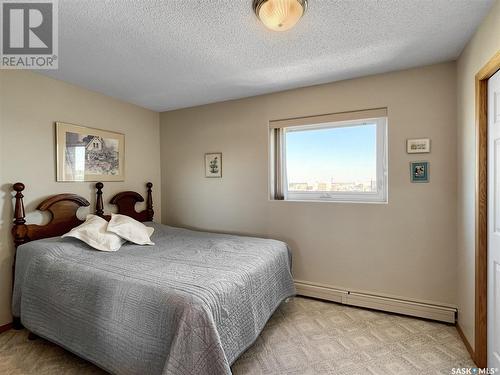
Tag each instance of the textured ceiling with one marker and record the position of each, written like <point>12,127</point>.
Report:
<point>167,54</point>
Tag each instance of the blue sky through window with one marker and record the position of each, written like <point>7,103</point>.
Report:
<point>324,157</point>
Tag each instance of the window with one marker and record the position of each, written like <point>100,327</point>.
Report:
<point>338,157</point>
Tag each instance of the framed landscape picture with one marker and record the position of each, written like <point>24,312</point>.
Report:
<point>418,146</point>
<point>213,164</point>
<point>88,154</point>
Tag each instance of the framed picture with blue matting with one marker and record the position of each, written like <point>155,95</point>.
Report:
<point>419,171</point>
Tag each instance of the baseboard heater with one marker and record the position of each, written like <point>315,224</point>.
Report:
<point>422,310</point>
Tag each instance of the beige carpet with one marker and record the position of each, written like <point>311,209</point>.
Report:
<point>304,336</point>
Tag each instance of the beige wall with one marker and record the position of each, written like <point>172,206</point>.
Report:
<point>484,44</point>
<point>406,248</point>
<point>29,105</point>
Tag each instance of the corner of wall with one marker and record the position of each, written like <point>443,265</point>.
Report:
<point>482,46</point>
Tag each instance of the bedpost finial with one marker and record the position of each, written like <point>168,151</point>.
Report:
<point>149,202</point>
<point>99,205</point>
<point>18,186</point>
<point>19,207</point>
<point>19,229</point>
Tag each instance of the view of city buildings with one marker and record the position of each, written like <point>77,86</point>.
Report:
<point>354,186</point>
<point>336,159</point>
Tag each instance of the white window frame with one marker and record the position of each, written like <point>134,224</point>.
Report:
<point>279,182</point>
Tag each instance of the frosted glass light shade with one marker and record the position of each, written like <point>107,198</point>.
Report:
<point>279,15</point>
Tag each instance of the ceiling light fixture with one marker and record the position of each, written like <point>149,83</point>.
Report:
<point>279,15</point>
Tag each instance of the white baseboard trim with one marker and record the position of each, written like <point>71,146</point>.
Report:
<point>396,305</point>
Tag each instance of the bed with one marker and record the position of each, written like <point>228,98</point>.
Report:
<point>190,304</point>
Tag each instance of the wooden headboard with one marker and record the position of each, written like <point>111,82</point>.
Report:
<point>126,201</point>
<point>63,208</point>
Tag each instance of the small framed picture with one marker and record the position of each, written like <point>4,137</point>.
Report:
<point>213,164</point>
<point>419,171</point>
<point>418,146</point>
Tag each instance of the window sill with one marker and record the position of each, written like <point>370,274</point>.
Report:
<point>328,201</point>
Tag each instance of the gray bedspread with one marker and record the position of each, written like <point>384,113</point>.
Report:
<point>189,305</point>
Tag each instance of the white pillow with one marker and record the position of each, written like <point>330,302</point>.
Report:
<point>130,229</point>
<point>93,233</point>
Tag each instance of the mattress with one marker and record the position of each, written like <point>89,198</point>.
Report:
<point>190,304</point>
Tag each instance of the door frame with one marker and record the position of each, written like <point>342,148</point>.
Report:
<point>481,217</point>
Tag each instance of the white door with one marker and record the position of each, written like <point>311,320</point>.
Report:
<point>494,221</point>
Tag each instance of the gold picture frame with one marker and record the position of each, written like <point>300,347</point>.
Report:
<point>89,154</point>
